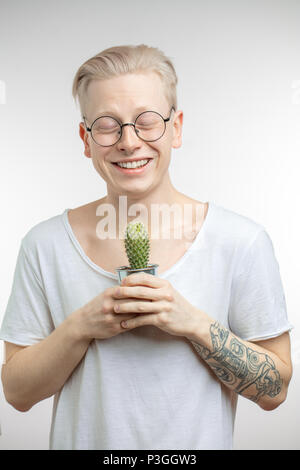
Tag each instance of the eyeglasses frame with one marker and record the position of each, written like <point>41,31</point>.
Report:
<point>89,129</point>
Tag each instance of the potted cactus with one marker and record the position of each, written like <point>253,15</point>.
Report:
<point>137,247</point>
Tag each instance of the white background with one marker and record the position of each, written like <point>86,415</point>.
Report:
<point>239,89</point>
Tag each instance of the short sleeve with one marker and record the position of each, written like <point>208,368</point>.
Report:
<point>257,303</point>
<point>27,319</point>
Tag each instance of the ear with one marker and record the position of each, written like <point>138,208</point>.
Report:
<point>84,136</point>
<point>177,130</point>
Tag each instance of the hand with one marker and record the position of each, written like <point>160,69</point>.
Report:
<point>155,302</point>
<point>97,319</point>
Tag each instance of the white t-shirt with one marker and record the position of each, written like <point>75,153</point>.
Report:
<point>145,388</point>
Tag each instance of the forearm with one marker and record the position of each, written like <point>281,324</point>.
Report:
<point>244,367</point>
<point>39,371</point>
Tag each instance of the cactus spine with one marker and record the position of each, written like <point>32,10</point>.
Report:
<point>137,245</point>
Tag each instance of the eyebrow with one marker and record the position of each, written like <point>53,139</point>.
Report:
<point>111,113</point>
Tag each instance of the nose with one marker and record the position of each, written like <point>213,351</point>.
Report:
<point>129,140</point>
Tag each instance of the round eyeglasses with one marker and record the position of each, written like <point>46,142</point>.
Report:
<point>107,131</point>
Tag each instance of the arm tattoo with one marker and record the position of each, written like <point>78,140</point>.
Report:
<point>240,366</point>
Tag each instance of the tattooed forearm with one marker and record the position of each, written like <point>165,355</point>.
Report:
<point>245,370</point>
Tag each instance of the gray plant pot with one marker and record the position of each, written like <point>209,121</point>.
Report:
<point>124,271</point>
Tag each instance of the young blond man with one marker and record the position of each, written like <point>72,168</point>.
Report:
<point>159,361</point>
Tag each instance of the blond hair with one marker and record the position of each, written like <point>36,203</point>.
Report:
<point>120,60</point>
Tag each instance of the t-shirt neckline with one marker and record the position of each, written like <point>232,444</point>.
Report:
<point>197,241</point>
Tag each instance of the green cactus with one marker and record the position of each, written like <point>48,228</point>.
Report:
<point>137,245</point>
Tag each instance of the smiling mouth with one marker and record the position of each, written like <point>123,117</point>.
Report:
<point>133,164</point>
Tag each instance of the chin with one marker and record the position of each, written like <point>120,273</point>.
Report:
<point>134,190</point>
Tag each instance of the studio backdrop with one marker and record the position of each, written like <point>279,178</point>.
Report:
<point>239,89</point>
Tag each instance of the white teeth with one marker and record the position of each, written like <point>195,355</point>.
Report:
<point>133,164</point>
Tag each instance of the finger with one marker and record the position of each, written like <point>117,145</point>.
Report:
<point>139,320</point>
<point>144,279</point>
<point>138,307</point>
<point>124,318</point>
<point>138,292</point>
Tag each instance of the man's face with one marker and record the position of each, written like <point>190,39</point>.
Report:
<point>120,97</point>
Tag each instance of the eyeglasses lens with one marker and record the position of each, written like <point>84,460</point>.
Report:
<point>106,131</point>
